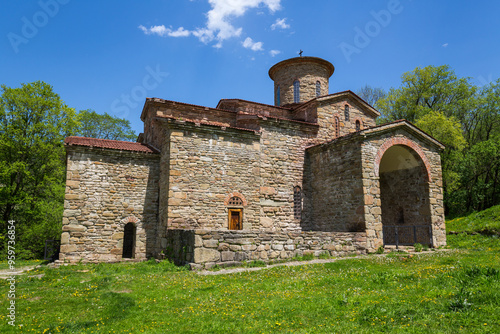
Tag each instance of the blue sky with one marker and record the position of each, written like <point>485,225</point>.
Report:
<point>109,55</point>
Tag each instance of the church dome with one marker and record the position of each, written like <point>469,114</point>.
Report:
<point>300,79</point>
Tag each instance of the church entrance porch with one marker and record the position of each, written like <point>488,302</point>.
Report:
<point>404,194</point>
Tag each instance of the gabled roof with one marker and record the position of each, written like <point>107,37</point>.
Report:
<point>152,100</point>
<point>252,102</point>
<point>203,122</point>
<point>388,127</point>
<point>408,126</point>
<point>108,143</point>
<point>366,106</point>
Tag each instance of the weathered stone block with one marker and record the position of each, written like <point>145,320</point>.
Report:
<point>198,241</point>
<point>248,247</point>
<point>68,248</point>
<point>277,247</point>
<point>223,247</point>
<point>267,190</point>
<point>64,238</point>
<point>116,251</point>
<point>227,256</point>
<point>202,255</point>
<point>72,213</point>
<point>241,256</point>
<point>266,222</point>
<point>74,228</point>
<point>210,243</point>
<point>117,236</point>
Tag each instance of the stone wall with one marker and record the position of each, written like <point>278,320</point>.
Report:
<point>203,249</point>
<point>404,196</point>
<point>106,189</point>
<point>328,110</point>
<point>373,148</point>
<point>281,169</point>
<point>307,74</point>
<point>333,190</point>
<point>201,167</point>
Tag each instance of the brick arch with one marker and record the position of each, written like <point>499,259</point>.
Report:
<point>129,219</point>
<point>235,194</point>
<point>405,142</point>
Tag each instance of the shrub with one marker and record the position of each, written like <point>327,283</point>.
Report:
<point>418,247</point>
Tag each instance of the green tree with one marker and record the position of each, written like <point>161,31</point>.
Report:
<point>33,123</point>
<point>449,132</point>
<point>105,126</point>
<point>371,94</point>
<point>464,118</point>
<point>426,89</point>
<point>483,123</point>
<point>479,184</point>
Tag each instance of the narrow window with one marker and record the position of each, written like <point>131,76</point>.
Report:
<point>337,127</point>
<point>296,91</point>
<point>129,241</point>
<point>346,113</point>
<point>297,203</point>
<point>235,214</point>
<point>278,96</point>
<point>318,88</point>
<point>358,125</point>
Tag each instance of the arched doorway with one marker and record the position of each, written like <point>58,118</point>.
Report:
<point>404,194</point>
<point>129,241</point>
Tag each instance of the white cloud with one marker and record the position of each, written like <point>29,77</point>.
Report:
<point>180,32</point>
<point>163,31</point>
<point>280,23</point>
<point>219,27</point>
<point>444,45</point>
<point>250,44</point>
<point>274,53</point>
<point>218,24</point>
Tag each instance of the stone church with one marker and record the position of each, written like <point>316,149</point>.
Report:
<point>245,181</point>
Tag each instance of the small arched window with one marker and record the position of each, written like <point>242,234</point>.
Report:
<point>296,91</point>
<point>337,127</point>
<point>346,113</point>
<point>278,95</point>
<point>358,125</point>
<point>235,200</point>
<point>318,88</point>
<point>297,202</point>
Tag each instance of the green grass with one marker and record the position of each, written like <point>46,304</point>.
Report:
<point>484,222</point>
<point>454,291</point>
<point>4,265</point>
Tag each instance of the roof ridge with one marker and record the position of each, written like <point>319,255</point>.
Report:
<point>110,144</point>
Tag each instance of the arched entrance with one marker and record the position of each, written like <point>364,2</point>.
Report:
<point>404,194</point>
<point>129,241</point>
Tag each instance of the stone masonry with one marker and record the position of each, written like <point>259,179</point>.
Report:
<point>249,181</point>
<point>106,189</point>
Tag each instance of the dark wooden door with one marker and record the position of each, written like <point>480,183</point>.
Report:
<point>235,219</point>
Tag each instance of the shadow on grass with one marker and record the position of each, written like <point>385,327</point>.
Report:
<point>117,306</point>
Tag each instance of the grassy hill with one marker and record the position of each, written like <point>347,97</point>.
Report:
<point>446,291</point>
<point>485,222</point>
